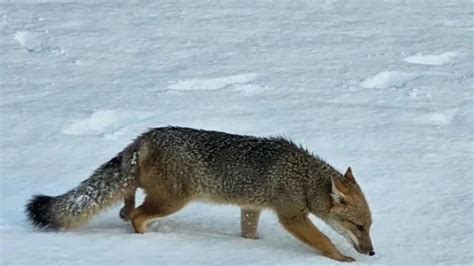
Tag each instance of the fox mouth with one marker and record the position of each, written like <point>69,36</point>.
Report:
<point>353,243</point>
<point>365,252</point>
<point>356,247</point>
<point>347,235</point>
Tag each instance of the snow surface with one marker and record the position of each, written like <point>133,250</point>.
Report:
<point>29,41</point>
<point>387,79</point>
<point>211,83</point>
<point>107,70</point>
<point>435,60</point>
<point>105,121</point>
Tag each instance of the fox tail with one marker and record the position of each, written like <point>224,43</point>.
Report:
<point>107,185</point>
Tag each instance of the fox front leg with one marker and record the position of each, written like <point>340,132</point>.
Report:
<point>249,222</point>
<point>129,205</point>
<point>303,229</point>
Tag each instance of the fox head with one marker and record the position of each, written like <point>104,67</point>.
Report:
<point>349,214</point>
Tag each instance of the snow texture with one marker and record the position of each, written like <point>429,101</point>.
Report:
<point>435,60</point>
<point>387,79</point>
<point>105,121</point>
<point>383,86</point>
<point>212,83</point>
<point>29,41</point>
<point>440,118</point>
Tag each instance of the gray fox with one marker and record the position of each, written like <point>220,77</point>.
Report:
<point>177,165</point>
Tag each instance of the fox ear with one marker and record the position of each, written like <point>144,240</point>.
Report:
<point>349,176</point>
<point>338,190</point>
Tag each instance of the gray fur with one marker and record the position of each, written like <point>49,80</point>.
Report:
<point>103,188</point>
<point>176,165</point>
<point>211,166</point>
<point>246,170</point>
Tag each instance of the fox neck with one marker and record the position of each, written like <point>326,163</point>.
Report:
<point>318,197</point>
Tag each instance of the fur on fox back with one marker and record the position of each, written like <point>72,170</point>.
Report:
<point>183,163</point>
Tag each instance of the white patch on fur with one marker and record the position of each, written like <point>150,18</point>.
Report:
<point>336,197</point>
<point>336,194</point>
<point>353,237</point>
<point>343,231</point>
<point>335,225</point>
<point>133,161</point>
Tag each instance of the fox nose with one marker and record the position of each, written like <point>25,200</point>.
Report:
<point>371,253</point>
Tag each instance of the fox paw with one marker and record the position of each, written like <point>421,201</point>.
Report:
<point>341,257</point>
<point>249,236</point>
<point>346,259</point>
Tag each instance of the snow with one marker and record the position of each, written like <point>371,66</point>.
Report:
<point>29,41</point>
<point>435,60</point>
<point>236,83</point>
<point>441,118</point>
<point>212,83</point>
<point>105,121</point>
<point>387,79</point>
<point>331,75</point>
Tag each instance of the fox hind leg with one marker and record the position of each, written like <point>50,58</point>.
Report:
<point>152,209</point>
<point>129,205</point>
<point>249,222</point>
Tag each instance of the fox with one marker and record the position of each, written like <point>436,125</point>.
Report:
<point>177,165</point>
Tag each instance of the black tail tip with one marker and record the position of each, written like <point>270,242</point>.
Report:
<point>38,210</point>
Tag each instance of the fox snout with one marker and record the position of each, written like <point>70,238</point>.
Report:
<point>360,241</point>
<point>366,249</point>
<point>371,252</point>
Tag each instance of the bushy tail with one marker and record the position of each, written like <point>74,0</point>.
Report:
<point>107,185</point>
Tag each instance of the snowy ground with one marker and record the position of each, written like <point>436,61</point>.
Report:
<point>383,86</point>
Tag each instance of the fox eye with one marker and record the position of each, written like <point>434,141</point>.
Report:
<point>358,226</point>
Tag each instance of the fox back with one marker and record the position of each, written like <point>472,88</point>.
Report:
<point>227,168</point>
